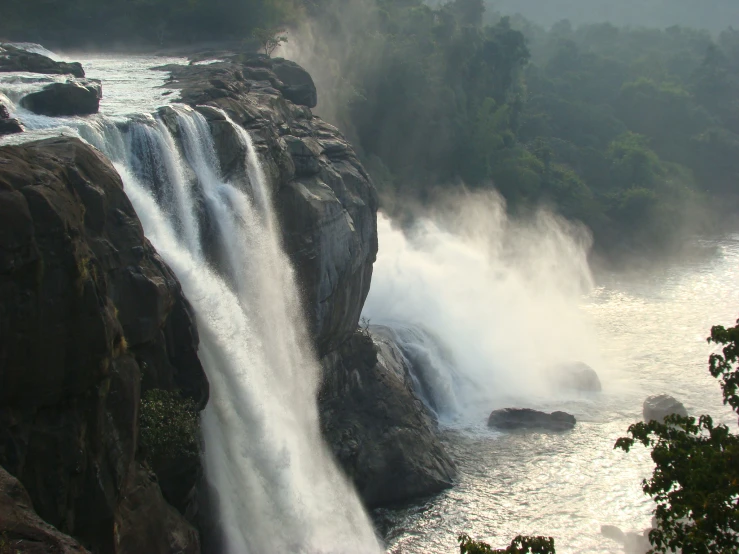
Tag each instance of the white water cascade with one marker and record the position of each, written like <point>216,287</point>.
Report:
<point>277,487</point>
<point>482,305</point>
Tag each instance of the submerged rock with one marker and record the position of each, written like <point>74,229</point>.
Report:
<point>379,430</point>
<point>660,406</point>
<point>14,59</point>
<point>577,376</point>
<point>8,125</point>
<point>512,419</point>
<point>71,98</point>
<point>22,530</point>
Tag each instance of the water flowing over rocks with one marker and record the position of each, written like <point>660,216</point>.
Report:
<point>91,318</point>
<point>513,419</point>
<point>13,58</point>
<point>659,406</point>
<point>75,97</point>
<point>380,431</point>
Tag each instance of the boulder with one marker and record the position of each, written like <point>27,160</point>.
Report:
<point>90,319</point>
<point>379,430</point>
<point>16,59</point>
<point>577,376</point>
<point>298,85</point>
<point>513,419</point>
<point>22,530</point>
<point>71,98</point>
<point>660,406</point>
<point>8,125</point>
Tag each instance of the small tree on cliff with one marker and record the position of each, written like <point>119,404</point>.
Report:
<point>696,476</point>
<point>269,39</point>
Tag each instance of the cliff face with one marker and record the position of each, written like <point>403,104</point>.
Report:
<point>377,427</point>
<point>90,317</point>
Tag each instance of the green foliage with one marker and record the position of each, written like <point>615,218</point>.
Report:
<point>168,427</point>
<point>695,483</point>
<point>269,39</point>
<point>520,545</point>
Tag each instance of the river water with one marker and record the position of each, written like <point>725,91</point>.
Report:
<point>644,333</point>
<point>505,310</point>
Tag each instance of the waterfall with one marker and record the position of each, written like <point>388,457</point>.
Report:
<point>276,485</point>
<point>483,306</point>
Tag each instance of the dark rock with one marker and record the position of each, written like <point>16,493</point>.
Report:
<point>379,430</point>
<point>325,199</point>
<point>17,59</point>
<point>90,318</point>
<point>8,125</point>
<point>146,523</point>
<point>658,407</point>
<point>70,98</point>
<point>22,530</point>
<point>578,376</point>
<point>299,87</point>
<point>511,419</point>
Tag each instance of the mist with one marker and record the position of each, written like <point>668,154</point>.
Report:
<point>487,304</point>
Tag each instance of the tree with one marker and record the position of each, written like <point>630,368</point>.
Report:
<point>269,39</point>
<point>696,477</point>
<point>520,545</point>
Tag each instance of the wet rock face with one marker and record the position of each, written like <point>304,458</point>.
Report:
<point>380,432</point>
<point>90,318</point>
<point>71,98</point>
<point>8,125</point>
<point>22,530</point>
<point>324,197</point>
<point>16,59</point>
<point>660,406</point>
<point>514,419</point>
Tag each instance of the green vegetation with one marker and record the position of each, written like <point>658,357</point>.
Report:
<point>696,477</point>
<point>520,545</point>
<point>269,39</point>
<point>632,131</point>
<point>168,427</point>
<point>101,23</point>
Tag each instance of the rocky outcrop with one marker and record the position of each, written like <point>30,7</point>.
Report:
<point>8,125</point>
<point>78,97</point>
<point>325,199</point>
<point>660,406</point>
<point>22,530</point>
<point>17,59</point>
<point>380,431</point>
<point>577,376</point>
<point>514,419</point>
<point>90,319</point>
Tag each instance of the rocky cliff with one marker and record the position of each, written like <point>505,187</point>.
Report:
<point>90,318</point>
<point>377,427</point>
<point>92,321</point>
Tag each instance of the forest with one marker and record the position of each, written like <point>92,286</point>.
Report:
<point>632,130</point>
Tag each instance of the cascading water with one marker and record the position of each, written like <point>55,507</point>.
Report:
<point>276,486</point>
<point>481,305</point>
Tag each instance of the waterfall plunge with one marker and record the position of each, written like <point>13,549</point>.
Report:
<point>277,487</point>
<point>482,305</point>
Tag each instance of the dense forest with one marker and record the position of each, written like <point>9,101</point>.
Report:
<point>632,130</point>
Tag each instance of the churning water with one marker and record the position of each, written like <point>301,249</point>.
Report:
<point>485,307</point>
<point>277,488</point>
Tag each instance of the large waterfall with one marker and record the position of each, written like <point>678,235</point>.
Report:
<point>276,487</point>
